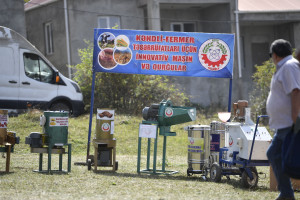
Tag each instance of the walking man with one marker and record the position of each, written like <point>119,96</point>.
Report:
<point>283,107</point>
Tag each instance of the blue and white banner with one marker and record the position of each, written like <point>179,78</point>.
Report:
<point>163,53</point>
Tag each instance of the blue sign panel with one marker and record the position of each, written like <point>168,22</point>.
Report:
<point>163,53</point>
<point>214,142</point>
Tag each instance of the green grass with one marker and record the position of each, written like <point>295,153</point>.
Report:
<point>126,183</point>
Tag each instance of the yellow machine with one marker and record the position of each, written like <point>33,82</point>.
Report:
<point>7,138</point>
<point>104,142</point>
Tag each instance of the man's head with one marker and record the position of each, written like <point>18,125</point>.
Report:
<point>279,49</point>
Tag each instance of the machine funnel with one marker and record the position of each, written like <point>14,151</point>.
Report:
<point>224,116</point>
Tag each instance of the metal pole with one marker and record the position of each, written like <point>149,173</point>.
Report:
<point>41,162</point>
<point>67,37</point>
<point>148,154</point>
<point>237,26</point>
<point>91,115</point>
<point>49,158</point>
<point>164,154</point>
<point>69,157</point>
<point>155,152</point>
<point>253,140</point>
<point>229,96</point>
<point>60,158</point>
<point>139,155</point>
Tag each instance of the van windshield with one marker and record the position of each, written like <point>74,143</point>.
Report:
<point>37,69</point>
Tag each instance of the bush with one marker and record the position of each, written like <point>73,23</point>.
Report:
<point>127,93</point>
<point>262,79</point>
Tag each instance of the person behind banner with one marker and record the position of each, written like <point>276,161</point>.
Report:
<point>283,107</point>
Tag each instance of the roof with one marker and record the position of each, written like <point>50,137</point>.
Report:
<point>269,5</point>
<point>243,5</point>
<point>36,3</point>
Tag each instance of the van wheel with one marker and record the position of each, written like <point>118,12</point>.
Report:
<point>60,106</point>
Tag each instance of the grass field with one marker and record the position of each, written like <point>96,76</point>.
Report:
<point>126,183</point>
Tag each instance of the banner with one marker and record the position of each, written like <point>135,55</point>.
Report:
<point>163,53</point>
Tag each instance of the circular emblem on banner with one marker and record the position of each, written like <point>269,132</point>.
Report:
<point>105,127</point>
<point>214,54</point>
<point>169,112</point>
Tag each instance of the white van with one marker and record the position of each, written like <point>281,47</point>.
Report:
<point>28,79</point>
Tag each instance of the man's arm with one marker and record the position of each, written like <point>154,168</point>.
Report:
<point>295,96</point>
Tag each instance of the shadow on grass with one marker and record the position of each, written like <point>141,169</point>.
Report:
<point>236,183</point>
<point>151,176</point>
<point>3,173</point>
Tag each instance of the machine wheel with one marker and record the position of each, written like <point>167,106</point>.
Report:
<point>215,172</point>
<point>189,171</point>
<point>91,157</point>
<point>246,179</point>
<point>89,164</point>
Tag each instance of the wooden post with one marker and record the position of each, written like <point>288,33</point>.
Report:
<point>8,146</point>
<point>273,182</point>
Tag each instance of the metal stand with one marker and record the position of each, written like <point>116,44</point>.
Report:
<point>104,145</point>
<point>154,170</point>
<point>8,149</point>
<point>50,150</point>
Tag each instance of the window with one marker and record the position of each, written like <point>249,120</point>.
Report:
<point>37,69</point>
<point>49,38</point>
<point>183,26</point>
<point>108,21</point>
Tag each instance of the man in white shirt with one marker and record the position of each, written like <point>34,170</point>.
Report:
<point>283,107</point>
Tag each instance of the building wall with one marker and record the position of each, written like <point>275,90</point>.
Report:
<point>179,15</point>
<point>211,19</point>
<point>82,24</point>
<point>35,21</point>
<point>83,16</point>
<point>12,15</point>
<point>216,19</point>
<point>256,39</point>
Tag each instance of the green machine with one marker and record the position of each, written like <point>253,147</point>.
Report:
<point>158,119</point>
<point>52,140</point>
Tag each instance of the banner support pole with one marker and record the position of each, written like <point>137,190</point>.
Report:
<point>230,93</point>
<point>91,115</point>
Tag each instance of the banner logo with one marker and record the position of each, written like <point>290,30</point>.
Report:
<point>214,54</point>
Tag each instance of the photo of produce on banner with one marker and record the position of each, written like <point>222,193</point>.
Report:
<point>114,50</point>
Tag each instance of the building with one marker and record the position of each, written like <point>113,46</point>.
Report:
<point>12,15</point>
<point>58,28</point>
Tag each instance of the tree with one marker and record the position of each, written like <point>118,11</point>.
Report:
<point>262,79</point>
<point>127,93</point>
